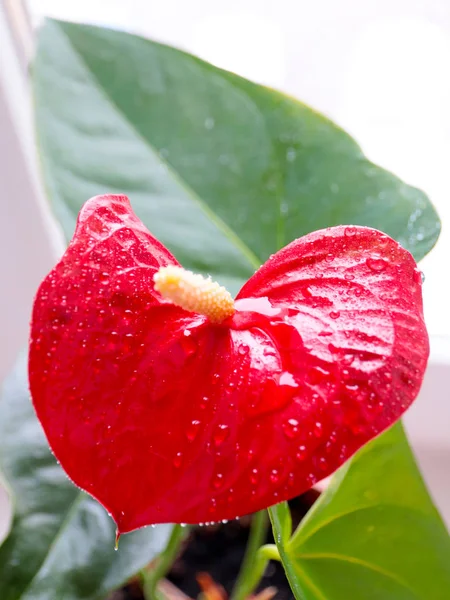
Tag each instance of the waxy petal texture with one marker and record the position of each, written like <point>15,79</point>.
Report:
<point>165,417</point>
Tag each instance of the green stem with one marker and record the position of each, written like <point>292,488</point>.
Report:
<point>163,564</point>
<point>269,552</point>
<point>255,561</point>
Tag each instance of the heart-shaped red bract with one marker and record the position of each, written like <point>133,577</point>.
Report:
<point>165,417</point>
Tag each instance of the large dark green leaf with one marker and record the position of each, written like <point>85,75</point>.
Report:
<point>222,171</point>
<point>61,544</point>
<point>373,535</point>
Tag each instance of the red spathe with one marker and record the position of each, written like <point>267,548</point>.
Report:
<point>164,417</point>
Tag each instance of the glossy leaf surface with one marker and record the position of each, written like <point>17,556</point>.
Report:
<point>374,534</point>
<point>222,171</point>
<point>327,348</point>
<point>61,544</point>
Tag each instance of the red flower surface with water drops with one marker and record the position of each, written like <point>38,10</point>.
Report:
<point>167,415</point>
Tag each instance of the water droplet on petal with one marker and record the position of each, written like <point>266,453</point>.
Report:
<point>204,403</point>
<point>188,344</point>
<point>291,428</point>
<point>243,350</point>
<point>301,453</point>
<point>254,476</point>
<point>418,276</point>
<point>220,434</point>
<point>335,314</point>
<point>274,476</point>
<point>317,430</point>
<point>178,459</point>
<point>192,430</point>
<point>322,464</point>
<point>350,231</point>
<point>377,265</point>
<point>277,392</point>
<point>213,508</point>
<point>217,480</point>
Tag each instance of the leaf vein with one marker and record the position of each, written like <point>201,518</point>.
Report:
<point>359,562</point>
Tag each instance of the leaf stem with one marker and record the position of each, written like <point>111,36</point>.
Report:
<point>270,552</point>
<point>163,564</point>
<point>255,561</point>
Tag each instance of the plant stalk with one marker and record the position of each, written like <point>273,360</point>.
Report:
<point>163,563</point>
<point>255,561</point>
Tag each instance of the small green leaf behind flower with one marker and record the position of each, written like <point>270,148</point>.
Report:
<point>374,534</point>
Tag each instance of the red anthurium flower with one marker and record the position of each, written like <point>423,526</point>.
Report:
<point>170,402</point>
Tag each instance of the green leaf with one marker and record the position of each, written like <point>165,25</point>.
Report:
<point>223,171</point>
<point>374,534</point>
<point>61,544</point>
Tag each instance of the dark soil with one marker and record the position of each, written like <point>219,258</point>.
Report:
<point>218,550</point>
